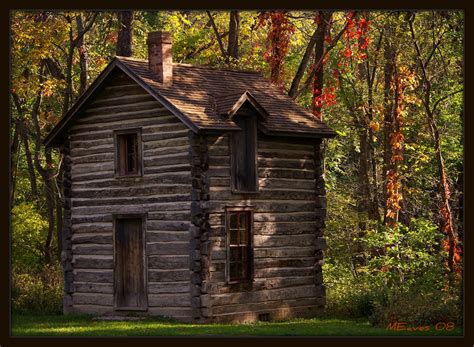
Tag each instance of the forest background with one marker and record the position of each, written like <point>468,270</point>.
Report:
<point>390,83</point>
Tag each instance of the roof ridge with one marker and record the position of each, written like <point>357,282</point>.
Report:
<point>217,68</point>
<point>121,57</point>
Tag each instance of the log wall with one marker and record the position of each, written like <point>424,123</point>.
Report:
<point>163,192</point>
<point>288,241</point>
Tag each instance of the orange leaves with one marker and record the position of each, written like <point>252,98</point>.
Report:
<point>375,126</point>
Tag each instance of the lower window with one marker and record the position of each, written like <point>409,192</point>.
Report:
<point>239,251</point>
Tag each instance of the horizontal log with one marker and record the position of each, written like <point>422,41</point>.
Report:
<point>102,288</point>
<point>169,300</point>
<point>219,160</point>
<point>266,283</point>
<point>133,209</point>
<point>95,144</point>
<point>92,238</point>
<point>264,263</point>
<point>121,90</point>
<point>219,171</point>
<point>167,248</point>
<point>222,140</point>
<point>264,206</point>
<point>82,262</point>
<point>284,252</point>
<point>93,158</point>
<point>93,176</point>
<point>167,168</point>
<point>165,135</point>
<point>282,272</point>
<point>122,100</point>
<point>287,183</point>
<point>169,225</point>
<point>104,167</point>
<point>159,115</point>
<point>279,313</point>
<point>163,150</point>
<point>166,159</point>
<point>99,218</point>
<point>93,299</point>
<point>91,227</point>
<point>85,249</point>
<point>168,287</point>
<point>170,215</point>
<point>131,200</point>
<point>122,192</point>
<point>284,228</point>
<point>130,107</point>
<point>285,217</point>
<point>97,276</point>
<point>280,294</point>
<point>285,173</point>
<point>98,135</point>
<point>219,181</point>
<point>166,179</point>
<point>274,194</point>
<point>164,143</point>
<point>167,236</point>
<point>168,275</point>
<point>160,262</point>
<point>217,150</point>
<point>121,124</point>
<point>285,163</point>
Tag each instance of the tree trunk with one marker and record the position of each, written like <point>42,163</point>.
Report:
<point>14,147</point>
<point>303,64</point>
<point>389,56</point>
<point>124,40</point>
<point>81,48</point>
<point>233,46</point>
<point>29,161</point>
<point>323,19</point>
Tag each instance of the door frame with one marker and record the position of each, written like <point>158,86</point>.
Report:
<point>143,217</point>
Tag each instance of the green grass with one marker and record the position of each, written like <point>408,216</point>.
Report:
<point>34,325</point>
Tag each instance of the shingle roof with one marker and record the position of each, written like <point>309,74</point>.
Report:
<point>203,93</point>
<point>204,97</point>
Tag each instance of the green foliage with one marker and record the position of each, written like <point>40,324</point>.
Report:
<point>28,233</point>
<point>399,279</point>
<point>38,291</point>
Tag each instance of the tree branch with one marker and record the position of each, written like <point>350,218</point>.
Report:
<point>221,46</point>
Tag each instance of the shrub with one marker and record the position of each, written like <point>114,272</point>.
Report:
<point>38,291</point>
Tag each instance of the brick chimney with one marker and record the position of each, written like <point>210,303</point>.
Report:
<point>160,58</point>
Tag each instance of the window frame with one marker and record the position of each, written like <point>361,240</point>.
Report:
<point>117,165</point>
<point>228,211</point>
<point>233,158</point>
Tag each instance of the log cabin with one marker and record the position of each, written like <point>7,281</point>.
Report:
<point>190,192</point>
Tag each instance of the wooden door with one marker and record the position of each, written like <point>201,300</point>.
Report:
<point>129,272</point>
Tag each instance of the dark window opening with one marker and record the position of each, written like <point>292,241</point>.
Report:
<point>239,250</point>
<point>128,154</point>
<point>244,155</point>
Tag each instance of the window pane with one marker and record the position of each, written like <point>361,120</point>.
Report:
<point>235,254</point>
<point>233,220</point>
<point>131,152</point>
<point>235,271</point>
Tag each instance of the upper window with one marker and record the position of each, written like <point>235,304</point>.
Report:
<point>239,261</point>
<point>128,153</point>
<point>244,155</point>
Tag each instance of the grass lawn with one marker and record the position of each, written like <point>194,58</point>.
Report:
<point>34,325</point>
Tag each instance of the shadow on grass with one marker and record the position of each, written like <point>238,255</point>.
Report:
<point>30,325</point>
